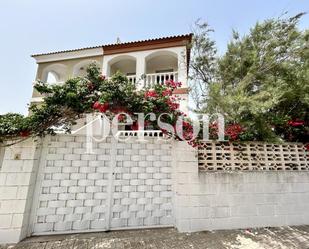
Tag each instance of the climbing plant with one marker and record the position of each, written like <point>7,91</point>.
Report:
<point>64,104</point>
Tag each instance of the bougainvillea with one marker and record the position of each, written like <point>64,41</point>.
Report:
<point>296,123</point>
<point>64,104</point>
<point>232,131</point>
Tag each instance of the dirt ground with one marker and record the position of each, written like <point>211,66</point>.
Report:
<point>281,237</point>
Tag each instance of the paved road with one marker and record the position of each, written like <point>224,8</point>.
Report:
<point>266,238</point>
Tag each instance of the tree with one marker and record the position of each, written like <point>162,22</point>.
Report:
<point>203,65</point>
<point>262,82</point>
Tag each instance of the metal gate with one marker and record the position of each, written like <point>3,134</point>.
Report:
<point>120,185</point>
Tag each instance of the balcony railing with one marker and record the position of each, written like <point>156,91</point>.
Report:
<point>152,79</point>
<point>132,78</point>
<point>159,78</point>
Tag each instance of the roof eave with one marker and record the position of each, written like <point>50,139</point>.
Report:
<point>109,47</point>
<point>68,55</point>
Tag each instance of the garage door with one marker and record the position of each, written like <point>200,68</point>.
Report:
<point>119,185</point>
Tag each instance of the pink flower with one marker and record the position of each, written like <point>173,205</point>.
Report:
<point>134,126</point>
<point>96,105</point>
<point>101,107</point>
<point>104,107</point>
<point>121,117</point>
<point>167,92</point>
<point>172,105</point>
<point>24,133</point>
<point>173,84</point>
<point>151,94</point>
<point>296,123</point>
<point>233,131</point>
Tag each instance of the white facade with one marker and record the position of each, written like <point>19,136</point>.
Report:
<point>150,62</point>
<point>143,64</point>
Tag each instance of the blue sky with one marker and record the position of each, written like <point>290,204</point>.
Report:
<point>34,26</point>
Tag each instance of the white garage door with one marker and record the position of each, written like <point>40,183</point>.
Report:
<point>120,185</point>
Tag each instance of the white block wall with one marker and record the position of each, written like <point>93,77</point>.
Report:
<point>56,188</point>
<point>228,200</point>
<point>120,185</point>
<point>17,181</point>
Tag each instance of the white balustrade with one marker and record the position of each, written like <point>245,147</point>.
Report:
<point>151,80</point>
<point>132,78</point>
<point>159,78</point>
<point>144,133</point>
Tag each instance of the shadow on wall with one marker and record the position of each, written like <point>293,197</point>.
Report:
<point>1,156</point>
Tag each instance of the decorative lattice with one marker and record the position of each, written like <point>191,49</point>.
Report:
<point>228,156</point>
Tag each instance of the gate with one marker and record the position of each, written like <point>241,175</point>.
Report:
<point>119,186</point>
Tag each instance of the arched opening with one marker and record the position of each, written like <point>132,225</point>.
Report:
<point>80,69</point>
<point>124,64</point>
<point>52,78</point>
<point>160,67</point>
<point>55,73</point>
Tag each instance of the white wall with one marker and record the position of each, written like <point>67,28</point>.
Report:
<point>166,173</point>
<point>228,200</point>
<point>119,185</point>
<point>17,181</point>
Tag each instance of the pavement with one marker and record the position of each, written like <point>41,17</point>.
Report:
<point>165,238</point>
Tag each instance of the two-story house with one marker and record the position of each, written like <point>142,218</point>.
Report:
<point>146,63</point>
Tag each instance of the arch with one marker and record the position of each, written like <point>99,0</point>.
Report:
<point>123,63</point>
<point>52,77</point>
<point>54,72</point>
<point>79,69</point>
<point>161,52</point>
<point>163,60</point>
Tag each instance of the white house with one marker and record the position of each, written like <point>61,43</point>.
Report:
<point>53,185</point>
<point>145,62</point>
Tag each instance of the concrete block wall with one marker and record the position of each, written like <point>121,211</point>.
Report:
<point>228,200</point>
<point>185,173</point>
<point>120,185</point>
<point>54,186</point>
<point>17,181</point>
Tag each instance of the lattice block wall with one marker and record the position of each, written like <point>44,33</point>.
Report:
<point>218,156</point>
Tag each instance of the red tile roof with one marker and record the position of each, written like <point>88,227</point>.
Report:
<point>126,44</point>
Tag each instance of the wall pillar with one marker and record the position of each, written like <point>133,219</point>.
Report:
<point>105,67</point>
<point>185,179</point>
<point>183,78</point>
<point>182,68</point>
<point>140,71</point>
<point>17,182</point>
